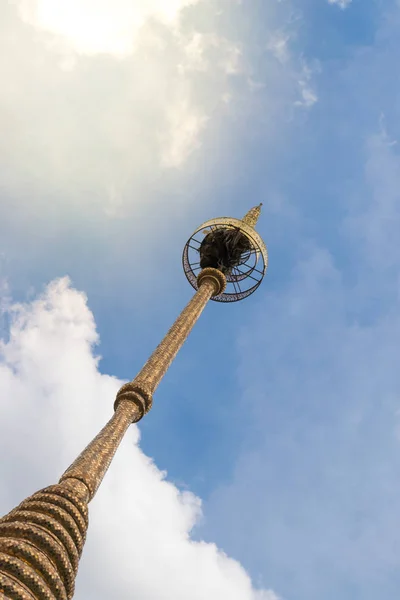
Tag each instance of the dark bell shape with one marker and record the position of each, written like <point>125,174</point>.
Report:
<point>223,249</point>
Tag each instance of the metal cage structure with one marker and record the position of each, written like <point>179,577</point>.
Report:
<point>244,278</point>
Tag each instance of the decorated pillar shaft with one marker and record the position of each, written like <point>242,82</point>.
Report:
<point>135,398</point>
<point>41,540</point>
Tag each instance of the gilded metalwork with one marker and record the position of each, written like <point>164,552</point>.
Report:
<point>247,276</point>
<point>211,283</point>
<point>252,216</point>
<point>92,464</point>
<point>41,540</point>
<point>214,277</point>
<point>40,545</point>
<point>249,231</point>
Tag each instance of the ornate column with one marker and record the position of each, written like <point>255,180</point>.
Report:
<point>41,540</point>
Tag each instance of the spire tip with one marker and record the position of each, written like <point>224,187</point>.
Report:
<point>252,216</point>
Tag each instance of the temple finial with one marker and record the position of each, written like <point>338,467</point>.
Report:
<point>251,217</point>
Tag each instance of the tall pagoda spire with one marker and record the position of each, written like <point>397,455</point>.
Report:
<point>41,540</point>
<point>252,216</point>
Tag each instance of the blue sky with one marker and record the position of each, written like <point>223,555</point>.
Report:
<point>281,412</point>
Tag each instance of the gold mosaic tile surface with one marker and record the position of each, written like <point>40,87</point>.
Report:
<point>41,540</point>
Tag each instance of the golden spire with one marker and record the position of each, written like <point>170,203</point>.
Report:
<point>251,217</point>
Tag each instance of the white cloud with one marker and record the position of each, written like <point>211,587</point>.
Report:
<point>94,121</point>
<point>279,46</point>
<point>182,135</point>
<point>80,120</point>
<point>54,399</point>
<point>106,26</point>
<point>308,96</point>
<point>307,93</point>
<point>341,3</point>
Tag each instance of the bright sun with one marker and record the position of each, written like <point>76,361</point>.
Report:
<point>100,26</point>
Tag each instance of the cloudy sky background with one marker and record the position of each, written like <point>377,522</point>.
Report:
<point>275,438</point>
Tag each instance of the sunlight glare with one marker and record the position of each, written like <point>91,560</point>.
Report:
<point>103,26</point>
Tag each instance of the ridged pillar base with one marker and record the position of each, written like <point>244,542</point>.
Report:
<point>40,545</point>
